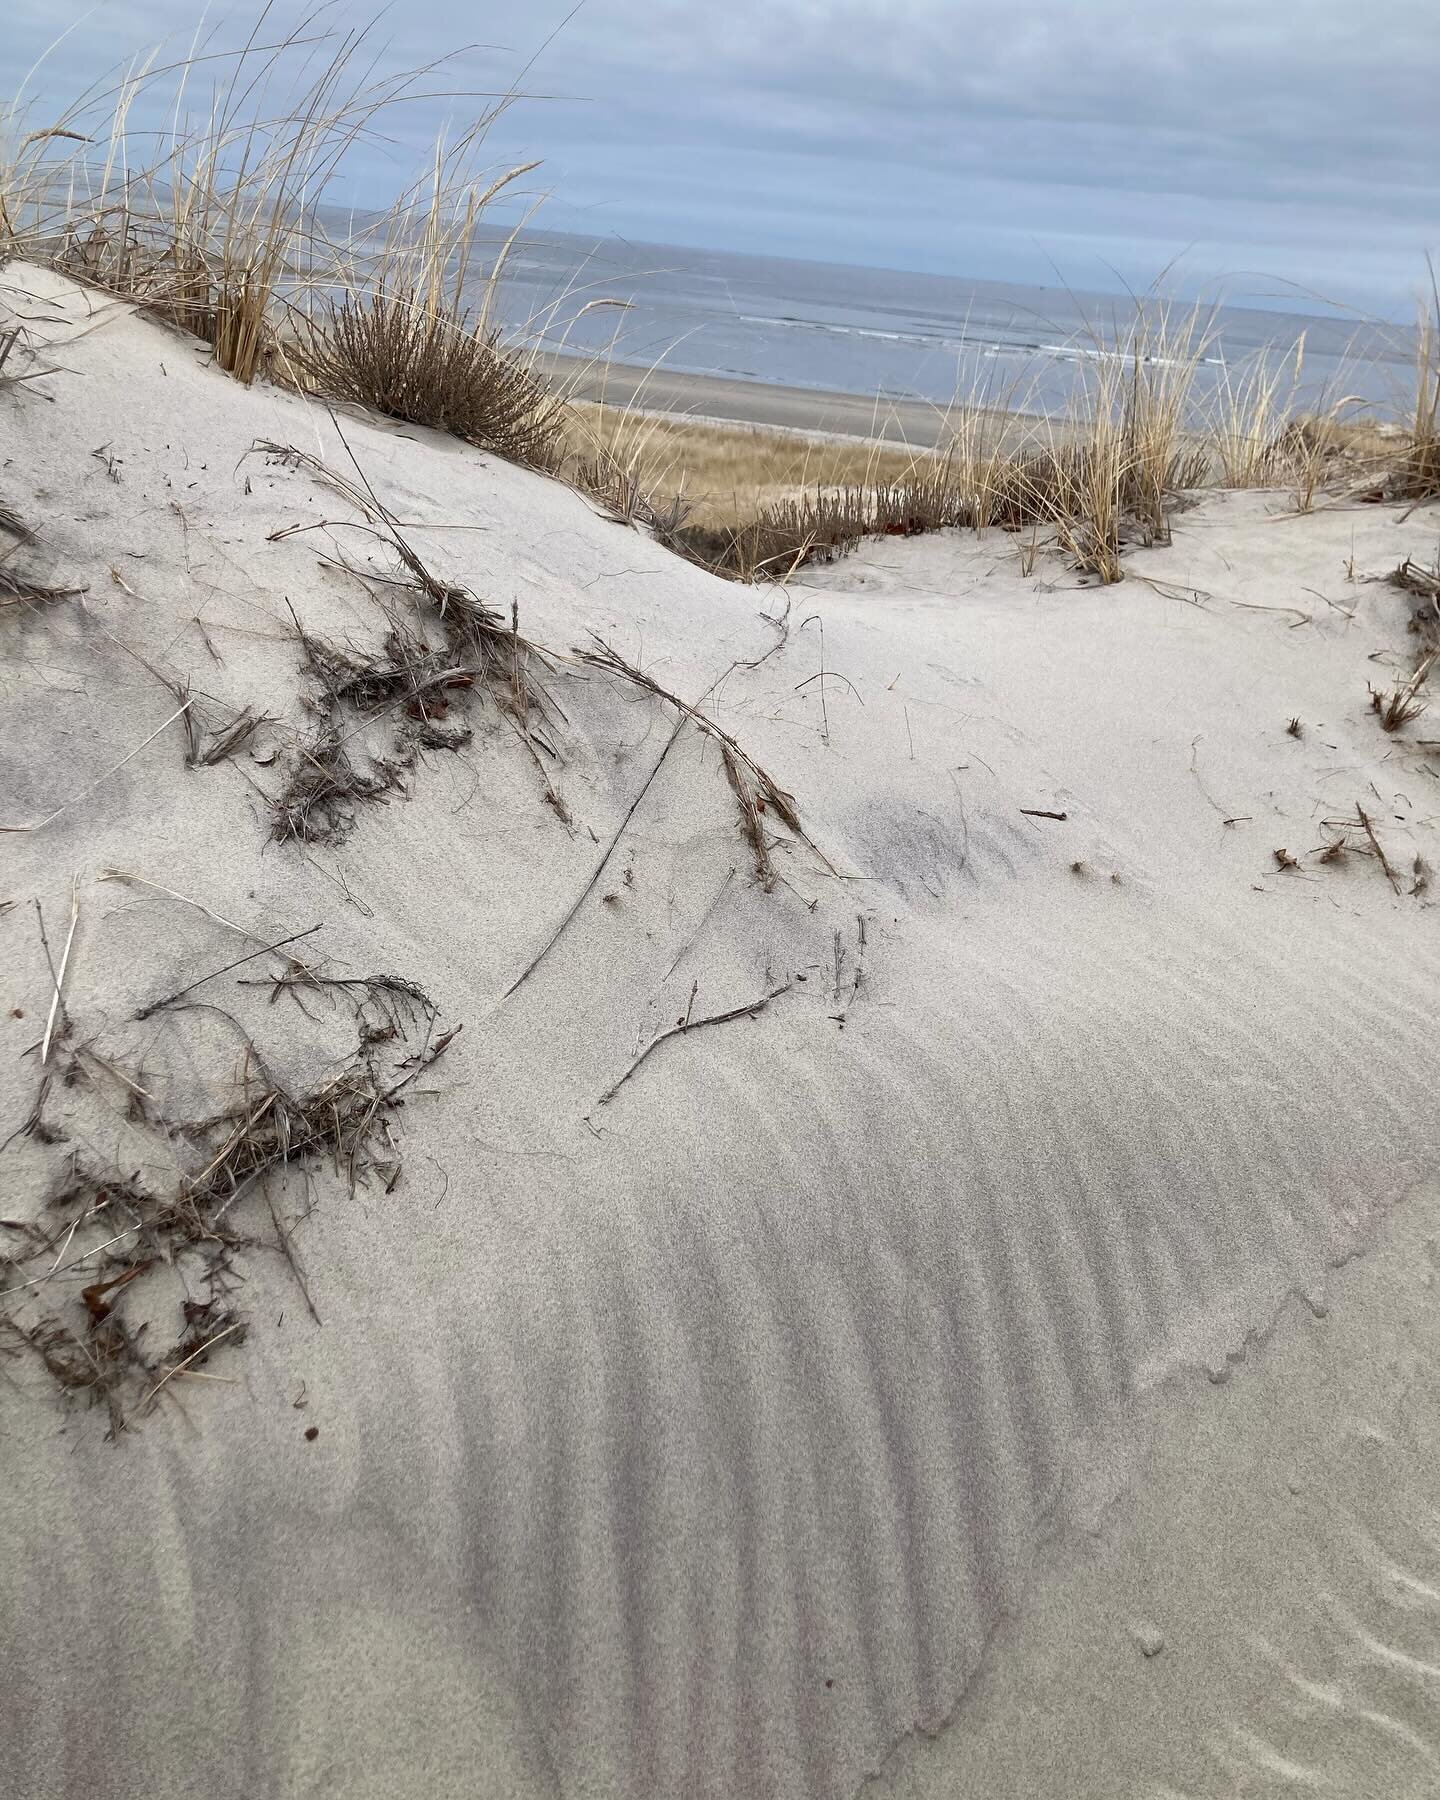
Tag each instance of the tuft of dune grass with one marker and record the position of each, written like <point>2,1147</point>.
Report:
<point>759,504</point>
<point>209,224</point>
<point>1417,474</point>
<point>393,353</point>
<point>214,224</point>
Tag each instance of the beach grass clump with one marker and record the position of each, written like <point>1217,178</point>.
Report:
<point>1396,707</point>
<point>397,333</point>
<point>1256,438</point>
<point>827,523</point>
<point>781,537</point>
<point>624,492</point>
<point>1145,402</point>
<point>1136,443</point>
<point>1112,469</point>
<point>1416,475</point>
<point>722,472</point>
<point>206,221</point>
<point>1402,462</point>
<point>1248,419</point>
<point>1108,474</point>
<point>402,355</point>
<point>1133,447</point>
<point>211,214</point>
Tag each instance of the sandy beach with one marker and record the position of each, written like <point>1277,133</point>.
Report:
<point>915,1279</point>
<point>915,423</point>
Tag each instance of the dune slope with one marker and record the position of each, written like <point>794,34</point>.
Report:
<point>703,1439</point>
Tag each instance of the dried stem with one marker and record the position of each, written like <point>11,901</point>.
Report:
<point>748,1011</point>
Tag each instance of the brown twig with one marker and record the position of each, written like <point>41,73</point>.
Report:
<point>687,1024</point>
<point>1390,874</point>
<point>155,1006</point>
<point>287,1250</point>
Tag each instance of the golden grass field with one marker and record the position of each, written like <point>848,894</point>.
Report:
<point>726,473</point>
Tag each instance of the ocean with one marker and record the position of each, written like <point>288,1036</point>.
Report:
<point>903,336</point>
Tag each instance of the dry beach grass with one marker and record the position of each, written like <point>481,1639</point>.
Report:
<point>1131,448</point>
<point>218,231</point>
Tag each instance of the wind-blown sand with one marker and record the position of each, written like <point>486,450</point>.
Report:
<point>1022,1384</point>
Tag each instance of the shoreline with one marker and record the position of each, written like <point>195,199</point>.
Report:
<point>771,406</point>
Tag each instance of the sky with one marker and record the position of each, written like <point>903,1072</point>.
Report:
<point>1290,148</point>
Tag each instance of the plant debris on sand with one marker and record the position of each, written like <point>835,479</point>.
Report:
<point>1403,702</point>
<point>442,643</point>
<point>17,589</point>
<point>1424,584</point>
<point>1097,492</point>
<point>1358,836</point>
<point>449,644</point>
<point>755,789</point>
<point>117,1339</point>
<point>1415,473</point>
<point>1406,701</point>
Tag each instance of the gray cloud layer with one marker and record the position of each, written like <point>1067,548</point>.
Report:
<point>1297,140</point>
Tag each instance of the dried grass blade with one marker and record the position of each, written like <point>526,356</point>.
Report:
<point>100,781</point>
<point>57,1001</point>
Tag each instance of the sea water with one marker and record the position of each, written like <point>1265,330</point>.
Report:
<point>907,336</point>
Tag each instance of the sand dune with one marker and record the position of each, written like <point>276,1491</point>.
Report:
<point>1250,1604</point>
<point>904,1360</point>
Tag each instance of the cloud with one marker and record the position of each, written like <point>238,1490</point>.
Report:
<point>1298,136</point>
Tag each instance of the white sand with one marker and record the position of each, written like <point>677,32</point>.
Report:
<point>831,1385</point>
